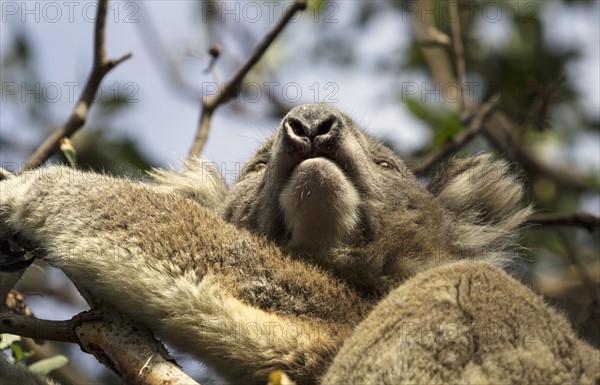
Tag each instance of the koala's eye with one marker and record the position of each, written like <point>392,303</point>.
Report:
<point>386,164</point>
<point>258,166</point>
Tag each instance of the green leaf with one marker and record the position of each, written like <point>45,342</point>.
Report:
<point>418,109</point>
<point>444,123</point>
<point>8,339</point>
<point>17,352</point>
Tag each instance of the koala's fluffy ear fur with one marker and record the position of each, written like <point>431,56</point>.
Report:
<point>485,195</point>
<point>200,181</point>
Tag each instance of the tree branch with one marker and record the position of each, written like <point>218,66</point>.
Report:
<point>581,270</point>
<point>587,221</point>
<point>435,55</point>
<point>459,52</point>
<point>499,123</point>
<point>79,115</point>
<point>229,89</point>
<point>456,142</point>
<point>38,329</point>
<point>132,353</point>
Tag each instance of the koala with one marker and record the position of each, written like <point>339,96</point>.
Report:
<point>276,272</point>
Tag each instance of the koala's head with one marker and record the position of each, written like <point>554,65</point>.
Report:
<point>318,182</point>
<point>326,191</point>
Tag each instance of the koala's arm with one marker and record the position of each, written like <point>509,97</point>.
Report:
<point>229,298</point>
<point>464,323</point>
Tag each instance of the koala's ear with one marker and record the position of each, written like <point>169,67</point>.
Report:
<point>481,191</point>
<point>200,180</point>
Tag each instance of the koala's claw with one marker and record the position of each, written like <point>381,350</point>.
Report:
<point>5,175</point>
<point>13,257</point>
<point>87,316</point>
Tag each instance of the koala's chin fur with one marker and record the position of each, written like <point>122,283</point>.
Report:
<point>320,205</point>
<point>324,223</point>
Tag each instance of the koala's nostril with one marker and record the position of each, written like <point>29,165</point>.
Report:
<point>297,127</point>
<point>303,129</point>
<point>325,127</point>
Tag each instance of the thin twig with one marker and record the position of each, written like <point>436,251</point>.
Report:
<point>499,123</point>
<point>433,37</point>
<point>583,274</point>
<point>537,114</point>
<point>456,142</point>
<point>587,221</point>
<point>435,55</point>
<point>459,52</point>
<point>79,115</point>
<point>229,89</point>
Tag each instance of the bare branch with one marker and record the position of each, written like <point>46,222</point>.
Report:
<point>435,55</point>
<point>229,89</point>
<point>537,115</point>
<point>459,52</point>
<point>37,328</point>
<point>433,37</point>
<point>581,270</point>
<point>79,115</point>
<point>587,221</point>
<point>128,350</point>
<point>499,123</point>
<point>456,142</point>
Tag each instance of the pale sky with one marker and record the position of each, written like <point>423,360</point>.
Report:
<point>163,121</point>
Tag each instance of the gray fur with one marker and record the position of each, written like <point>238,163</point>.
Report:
<point>324,221</point>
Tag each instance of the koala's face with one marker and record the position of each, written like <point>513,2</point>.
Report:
<point>321,182</point>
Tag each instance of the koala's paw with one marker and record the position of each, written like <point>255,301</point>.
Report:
<point>11,188</point>
<point>13,254</point>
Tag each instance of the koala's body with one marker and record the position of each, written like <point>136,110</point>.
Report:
<point>324,221</point>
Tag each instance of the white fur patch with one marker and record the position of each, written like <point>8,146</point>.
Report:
<point>319,203</point>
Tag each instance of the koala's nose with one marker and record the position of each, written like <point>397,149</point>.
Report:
<point>309,124</point>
